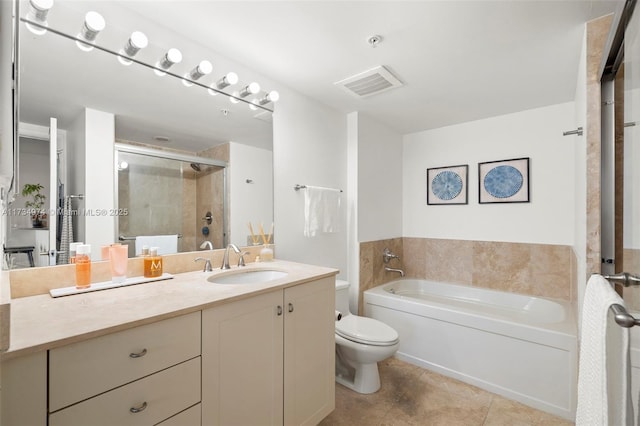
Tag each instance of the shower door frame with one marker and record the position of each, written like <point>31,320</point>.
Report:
<point>167,155</point>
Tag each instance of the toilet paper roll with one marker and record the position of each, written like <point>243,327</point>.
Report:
<point>338,315</point>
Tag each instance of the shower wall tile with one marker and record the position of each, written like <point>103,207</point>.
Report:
<point>531,269</point>
<point>631,262</point>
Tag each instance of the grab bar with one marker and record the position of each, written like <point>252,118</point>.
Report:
<point>123,238</point>
<point>620,314</point>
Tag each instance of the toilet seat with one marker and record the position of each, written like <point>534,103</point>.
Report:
<point>366,330</point>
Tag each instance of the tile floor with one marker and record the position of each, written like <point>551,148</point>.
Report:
<point>412,396</point>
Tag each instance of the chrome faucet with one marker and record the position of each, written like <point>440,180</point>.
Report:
<point>387,255</point>
<point>386,268</point>
<point>207,244</point>
<point>225,259</point>
<point>207,264</point>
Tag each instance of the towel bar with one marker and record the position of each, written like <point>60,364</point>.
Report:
<point>124,238</point>
<point>623,317</point>
<point>298,187</point>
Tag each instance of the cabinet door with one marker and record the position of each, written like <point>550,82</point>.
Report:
<point>24,390</point>
<point>309,352</point>
<point>242,362</point>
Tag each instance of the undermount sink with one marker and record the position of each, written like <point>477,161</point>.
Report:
<point>254,276</point>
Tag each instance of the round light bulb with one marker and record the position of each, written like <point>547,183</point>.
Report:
<point>173,56</point>
<point>254,88</point>
<point>273,96</point>
<point>93,24</point>
<point>211,90</point>
<point>232,78</point>
<point>203,68</point>
<point>136,41</point>
<point>38,10</point>
<point>234,98</point>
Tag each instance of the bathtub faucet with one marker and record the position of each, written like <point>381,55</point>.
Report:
<point>387,255</point>
<point>386,268</point>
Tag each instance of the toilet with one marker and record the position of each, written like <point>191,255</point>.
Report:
<point>360,344</point>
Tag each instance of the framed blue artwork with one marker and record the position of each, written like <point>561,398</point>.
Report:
<point>504,181</point>
<point>447,185</point>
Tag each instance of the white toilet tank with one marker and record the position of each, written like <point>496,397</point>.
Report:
<point>342,297</point>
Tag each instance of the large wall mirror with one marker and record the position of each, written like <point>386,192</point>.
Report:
<point>133,153</point>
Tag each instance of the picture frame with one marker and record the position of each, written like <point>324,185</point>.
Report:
<point>504,181</point>
<point>448,185</point>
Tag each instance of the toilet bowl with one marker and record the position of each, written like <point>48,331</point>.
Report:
<point>360,344</point>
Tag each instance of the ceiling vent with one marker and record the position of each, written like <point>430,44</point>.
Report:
<point>371,82</point>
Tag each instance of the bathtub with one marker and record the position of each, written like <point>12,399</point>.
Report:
<point>523,348</point>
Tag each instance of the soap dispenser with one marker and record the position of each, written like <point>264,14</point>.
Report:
<point>153,264</point>
<point>83,266</point>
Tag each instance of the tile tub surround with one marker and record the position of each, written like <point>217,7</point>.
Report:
<point>33,281</point>
<point>531,269</point>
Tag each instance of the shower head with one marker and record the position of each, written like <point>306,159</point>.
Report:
<point>195,166</point>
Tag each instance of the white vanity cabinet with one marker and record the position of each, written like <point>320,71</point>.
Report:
<point>138,376</point>
<point>270,359</point>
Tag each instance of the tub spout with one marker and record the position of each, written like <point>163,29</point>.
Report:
<point>386,268</point>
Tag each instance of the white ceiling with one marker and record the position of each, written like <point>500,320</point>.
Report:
<point>459,60</point>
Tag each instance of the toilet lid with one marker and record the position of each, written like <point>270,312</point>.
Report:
<point>366,330</point>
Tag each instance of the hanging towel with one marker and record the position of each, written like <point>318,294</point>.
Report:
<point>167,244</point>
<point>604,396</point>
<point>66,235</point>
<point>321,210</point>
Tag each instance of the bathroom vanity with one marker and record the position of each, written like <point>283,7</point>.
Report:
<point>184,351</point>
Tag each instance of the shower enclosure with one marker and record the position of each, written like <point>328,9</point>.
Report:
<point>167,193</point>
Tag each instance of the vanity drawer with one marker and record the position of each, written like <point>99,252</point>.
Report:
<point>157,397</point>
<point>84,369</point>
<point>189,417</point>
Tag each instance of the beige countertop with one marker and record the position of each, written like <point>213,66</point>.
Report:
<point>42,322</point>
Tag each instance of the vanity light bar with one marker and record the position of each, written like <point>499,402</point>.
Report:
<point>94,23</point>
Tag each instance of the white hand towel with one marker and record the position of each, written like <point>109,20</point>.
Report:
<point>321,210</point>
<point>167,244</point>
<point>603,376</point>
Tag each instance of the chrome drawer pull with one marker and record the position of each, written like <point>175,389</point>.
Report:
<point>139,409</point>
<point>139,354</point>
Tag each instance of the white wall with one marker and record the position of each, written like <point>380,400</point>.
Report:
<point>309,148</point>
<point>76,167</point>
<point>379,181</point>
<point>90,142</point>
<point>99,195</point>
<point>548,218</point>
<point>250,202</point>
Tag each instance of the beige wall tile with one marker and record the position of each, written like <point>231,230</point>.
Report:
<point>502,266</point>
<point>532,269</point>
<point>449,261</point>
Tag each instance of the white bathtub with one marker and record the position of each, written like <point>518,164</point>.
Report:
<point>521,347</point>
